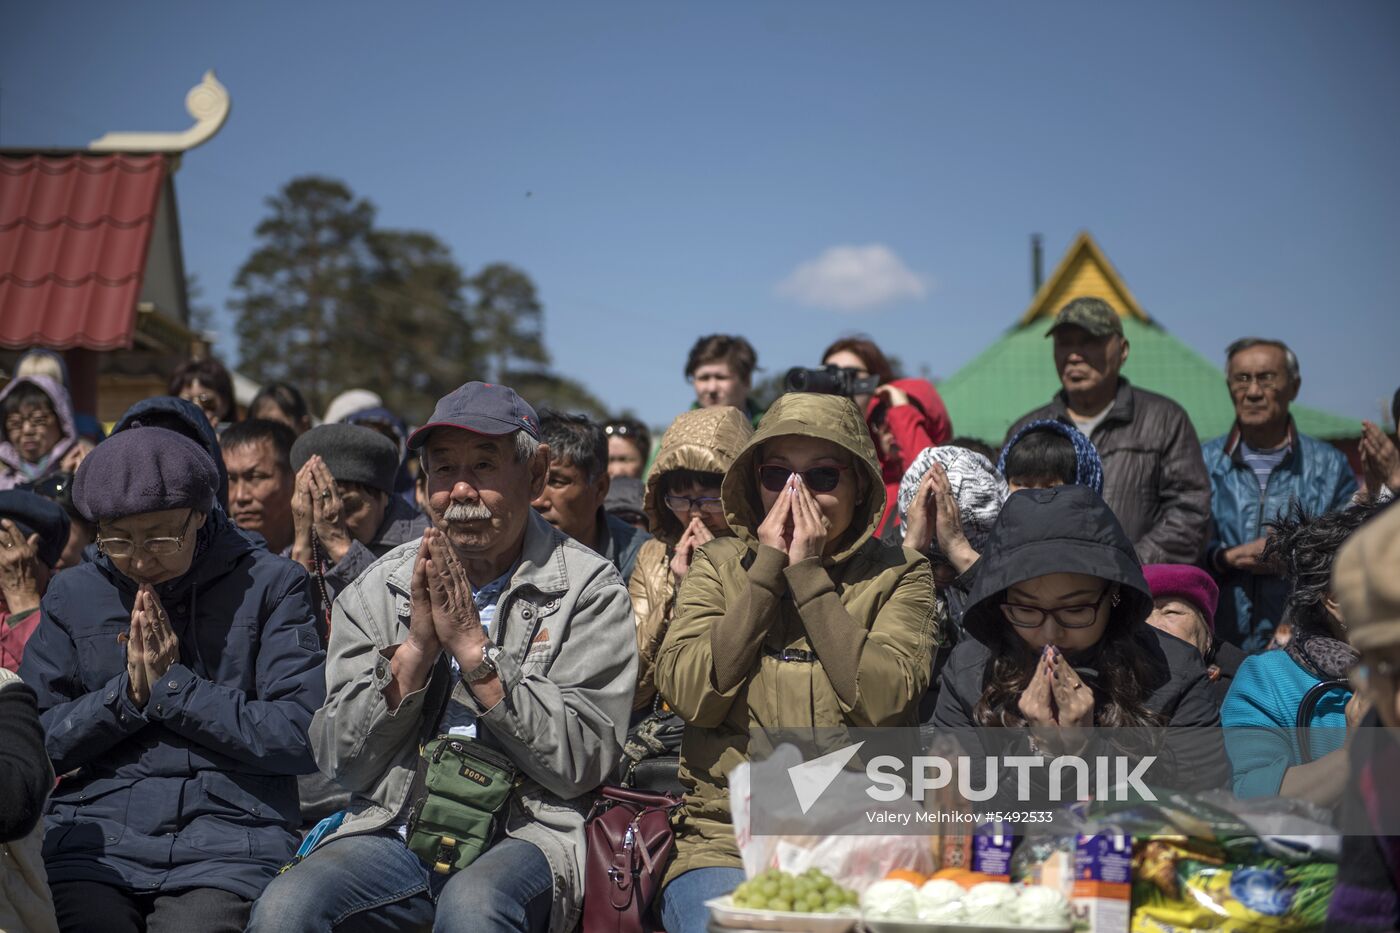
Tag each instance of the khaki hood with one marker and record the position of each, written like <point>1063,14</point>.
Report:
<point>829,417</point>
<point>706,440</point>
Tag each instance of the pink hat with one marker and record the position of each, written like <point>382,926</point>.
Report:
<point>1185,582</point>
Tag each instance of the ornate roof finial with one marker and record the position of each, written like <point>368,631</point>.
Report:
<point>208,102</point>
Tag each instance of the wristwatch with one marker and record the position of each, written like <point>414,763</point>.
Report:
<point>487,667</point>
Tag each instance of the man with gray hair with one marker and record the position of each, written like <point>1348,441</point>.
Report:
<point>1256,471</point>
<point>494,638</point>
<point>1153,479</point>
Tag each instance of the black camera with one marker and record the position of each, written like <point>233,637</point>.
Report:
<point>830,380</point>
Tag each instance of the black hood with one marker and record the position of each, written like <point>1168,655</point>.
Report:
<point>1067,529</point>
<point>182,417</point>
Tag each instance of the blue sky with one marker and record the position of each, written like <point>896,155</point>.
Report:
<point>661,170</point>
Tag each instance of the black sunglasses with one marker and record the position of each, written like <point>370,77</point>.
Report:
<point>817,479</point>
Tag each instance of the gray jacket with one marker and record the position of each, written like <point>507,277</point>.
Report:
<point>1154,478</point>
<point>569,669</point>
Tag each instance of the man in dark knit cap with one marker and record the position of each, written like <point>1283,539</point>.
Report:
<point>344,507</point>
<point>176,677</point>
<point>33,532</point>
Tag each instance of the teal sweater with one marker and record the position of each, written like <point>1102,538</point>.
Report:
<point>1264,697</point>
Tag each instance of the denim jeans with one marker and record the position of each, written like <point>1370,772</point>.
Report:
<point>374,882</point>
<point>683,900</point>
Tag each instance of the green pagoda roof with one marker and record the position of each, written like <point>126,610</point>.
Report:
<point>1017,373</point>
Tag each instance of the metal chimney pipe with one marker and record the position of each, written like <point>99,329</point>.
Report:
<point>1037,265</point>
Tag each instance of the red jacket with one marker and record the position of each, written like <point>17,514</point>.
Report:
<point>14,636</point>
<point>924,422</point>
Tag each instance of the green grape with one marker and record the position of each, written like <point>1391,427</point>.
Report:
<point>770,889</point>
<point>779,903</point>
<point>742,891</point>
<point>801,887</point>
<point>799,907</point>
<point>757,902</point>
<point>814,901</point>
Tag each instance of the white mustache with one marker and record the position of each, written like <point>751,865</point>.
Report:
<point>460,512</point>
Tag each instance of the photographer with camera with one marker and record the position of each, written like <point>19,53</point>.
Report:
<point>904,415</point>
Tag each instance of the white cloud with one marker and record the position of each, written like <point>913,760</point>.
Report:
<point>853,278</point>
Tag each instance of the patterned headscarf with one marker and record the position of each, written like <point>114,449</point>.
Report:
<point>1088,469</point>
<point>977,486</point>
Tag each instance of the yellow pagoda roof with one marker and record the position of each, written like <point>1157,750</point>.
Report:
<point>1084,272</point>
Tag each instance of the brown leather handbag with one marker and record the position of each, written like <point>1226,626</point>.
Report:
<point>630,840</point>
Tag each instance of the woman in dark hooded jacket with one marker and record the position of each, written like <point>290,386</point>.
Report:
<point>1059,637</point>
<point>176,675</point>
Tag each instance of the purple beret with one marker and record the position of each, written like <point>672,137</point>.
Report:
<point>150,470</point>
<point>1184,582</point>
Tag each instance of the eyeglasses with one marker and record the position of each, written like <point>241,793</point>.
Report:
<point>1264,380</point>
<point>620,429</point>
<point>706,505</point>
<point>156,547</point>
<point>39,420</point>
<point>1083,616</point>
<point>817,479</point>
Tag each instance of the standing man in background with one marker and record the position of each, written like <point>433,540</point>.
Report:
<point>1154,479</point>
<point>1256,471</point>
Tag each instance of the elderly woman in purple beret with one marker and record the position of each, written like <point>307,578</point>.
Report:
<point>176,676</point>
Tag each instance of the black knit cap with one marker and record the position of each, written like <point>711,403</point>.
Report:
<point>352,453</point>
<point>33,514</point>
<point>150,470</point>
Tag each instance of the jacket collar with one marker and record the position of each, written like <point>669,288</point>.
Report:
<point>1232,443</point>
<point>1122,410</point>
<point>397,525</point>
<point>541,565</point>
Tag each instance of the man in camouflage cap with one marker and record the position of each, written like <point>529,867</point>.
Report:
<point>1154,478</point>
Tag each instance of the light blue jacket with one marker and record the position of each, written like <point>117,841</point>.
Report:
<point>1260,716</point>
<point>1315,473</point>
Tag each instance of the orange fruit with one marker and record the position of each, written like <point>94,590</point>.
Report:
<point>969,878</point>
<point>900,874</point>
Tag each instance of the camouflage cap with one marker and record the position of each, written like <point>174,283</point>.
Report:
<point>1093,314</point>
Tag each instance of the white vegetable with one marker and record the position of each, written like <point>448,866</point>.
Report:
<point>990,902</point>
<point>892,899</point>
<point>1042,906</point>
<point>940,901</point>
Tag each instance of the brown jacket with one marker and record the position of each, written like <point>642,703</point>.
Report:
<point>1154,477</point>
<point>705,440</point>
<point>859,630</point>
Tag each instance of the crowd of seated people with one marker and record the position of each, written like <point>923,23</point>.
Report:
<point>228,633</point>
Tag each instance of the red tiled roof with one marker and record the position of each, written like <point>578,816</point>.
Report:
<point>74,232</point>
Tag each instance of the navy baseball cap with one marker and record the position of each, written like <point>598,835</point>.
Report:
<point>482,408</point>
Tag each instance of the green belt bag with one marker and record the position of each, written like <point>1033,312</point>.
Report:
<point>459,793</point>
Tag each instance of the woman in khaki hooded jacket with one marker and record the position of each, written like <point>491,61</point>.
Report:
<point>682,503</point>
<point>802,619</point>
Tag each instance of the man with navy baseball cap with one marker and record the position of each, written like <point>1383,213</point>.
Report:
<point>493,628</point>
